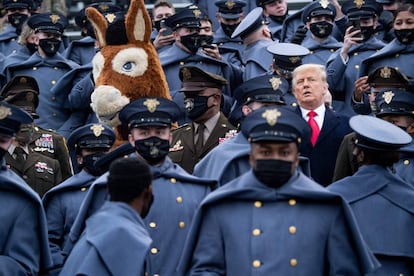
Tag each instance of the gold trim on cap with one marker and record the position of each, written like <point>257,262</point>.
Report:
<point>151,104</point>
<point>97,129</point>
<point>271,116</point>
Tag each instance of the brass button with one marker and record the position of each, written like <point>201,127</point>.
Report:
<point>181,224</point>
<point>53,82</point>
<point>154,251</point>
<point>25,177</point>
<point>406,162</point>
<point>83,189</point>
<point>256,263</point>
<point>294,104</point>
<point>256,232</point>
<point>181,62</point>
<point>201,62</point>
<point>173,180</point>
<point>55,68</point>
<point>332,50</point>
<point>53,98</point>
<point>34,68</point>
<point>292,202</point>
<point>355,54</point>
<point>356,66</point>
<point>54,114</point>
<point>13,39</point>
<point>401,274</point>
<point>152,224</point>
<point>14,51</point>
<point>258,204</point>
<point>293,262</point>
<point>179,199</point>
<point>397,55</point>
<point>292,230</point>
<point>310,52</point>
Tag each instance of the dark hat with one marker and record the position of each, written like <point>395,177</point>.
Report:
<point>121,151</point>
<point>387,77</point>
<point>278,124</point>
<point>386,2</point>
<point>263,89</point>
<point>18,4</point>
<point>103,7</point>
<point>48,23</point>
<point>11,117</point>
<point>195,79</point>
<point>253,21</point>
<point>230,9</point>
<point>261,3</point>
<point>287,56</point>
<point>92,136</point>
<point>316,8</point>
<point>22,91</point>
<point>188,17</point>
<point>357,9</point>
<point>394,101</point>
<point>377,134</point>
<point>150,112</point>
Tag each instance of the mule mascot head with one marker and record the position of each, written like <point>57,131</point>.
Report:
<point>127,67</point>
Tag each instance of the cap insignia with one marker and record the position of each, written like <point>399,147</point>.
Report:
<point>196,13</point>
<point>385,73</point>
<point>230,4</point>
<point>324,3</point>
<point>103,7</point>
<point>151,104</point>
<point>294,60</point>
<point>387,96</point>
<point>14,1</point>
<point>23,80</point>
<point>359,3</point>
<point>186,74</point>
<point>275,82</point>
<point>4,112</point>
<point>110,17</point>
<point>271,116</point>
<point>97,129</point>
<point>55,18</point>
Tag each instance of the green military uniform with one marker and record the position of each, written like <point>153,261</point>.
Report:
<point>202,97</point>
<point>39,171</point>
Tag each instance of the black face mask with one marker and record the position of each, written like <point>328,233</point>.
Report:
<point>153,149</point>
<point>367,32</point>
<point>196,106</point>
<point>17,20</point>
<point>321,29</point>
<point>192,42</point>
<point>229,29</point>
<point>405,36</point>
<point>50,46</point>
<point>89,163</point>
<point>31,47</point>
<point>273,172</point>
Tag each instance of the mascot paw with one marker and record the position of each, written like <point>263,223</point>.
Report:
<point>106,102</point>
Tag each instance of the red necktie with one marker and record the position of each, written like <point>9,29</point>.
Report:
<point>314,126</point>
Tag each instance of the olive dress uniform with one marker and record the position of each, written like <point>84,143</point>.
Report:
<point>39,171</point>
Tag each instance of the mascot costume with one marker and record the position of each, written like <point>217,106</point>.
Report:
<point>127,67</point>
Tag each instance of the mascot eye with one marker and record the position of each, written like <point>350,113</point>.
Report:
<point>128,67</point>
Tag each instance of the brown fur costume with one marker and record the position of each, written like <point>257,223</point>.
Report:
<point>123,73</point>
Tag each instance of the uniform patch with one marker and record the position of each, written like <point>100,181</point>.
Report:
<point>44,143</point>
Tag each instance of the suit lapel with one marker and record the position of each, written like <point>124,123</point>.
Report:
<point>329,123</point>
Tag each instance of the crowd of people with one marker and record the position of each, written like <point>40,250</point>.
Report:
<point>285,148</point>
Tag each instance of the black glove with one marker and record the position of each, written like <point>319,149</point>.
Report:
<point>299,35</point>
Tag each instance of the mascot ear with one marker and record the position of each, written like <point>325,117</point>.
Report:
<point>99,24</point>
<point>138,22</point>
